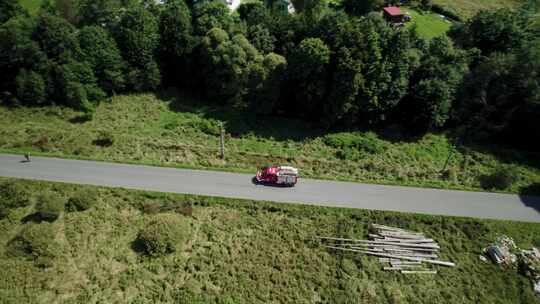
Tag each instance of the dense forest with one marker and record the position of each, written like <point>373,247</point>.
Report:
<point>338,65</point>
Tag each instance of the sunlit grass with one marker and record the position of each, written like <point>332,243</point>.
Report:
<point>144,129</point>
<point>428,24</point>
<point>250,252</point>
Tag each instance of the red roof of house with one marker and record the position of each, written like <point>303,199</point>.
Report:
<point>393,11</point>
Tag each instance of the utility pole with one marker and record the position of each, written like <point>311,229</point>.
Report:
<point>222,141</point>
<point>452,149</point>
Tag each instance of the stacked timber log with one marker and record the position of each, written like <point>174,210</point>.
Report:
<point>398,249</point>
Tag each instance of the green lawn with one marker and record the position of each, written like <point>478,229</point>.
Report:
<point>428,25</point>
<point>245,252</point>
<point>31,5</point>
<point>467,8</point>
<point>145,129</point>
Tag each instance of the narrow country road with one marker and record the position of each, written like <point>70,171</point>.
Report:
<point>307,191</point>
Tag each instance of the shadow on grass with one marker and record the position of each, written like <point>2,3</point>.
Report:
<point>36,218</point>
<point>240,122</point>
<point>138,247</point>
<point>282,128</point>
<point>530,196</point>
<point>78,119</point>
<point>102,142</point>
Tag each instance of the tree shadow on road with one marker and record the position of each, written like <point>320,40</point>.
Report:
<point>530,196</point>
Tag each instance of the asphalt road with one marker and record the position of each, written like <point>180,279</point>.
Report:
<point>307,191</point>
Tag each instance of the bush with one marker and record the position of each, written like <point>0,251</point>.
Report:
<point>165,233</point>
<point>12,195</point>
<point>207,126</point>
<point>502,178</point>
<point>82,200</point>
<point>150,207</point>
<point>35,241</point>
<point>30,87</point>
<point>367,142</point>
<point>49,206</point>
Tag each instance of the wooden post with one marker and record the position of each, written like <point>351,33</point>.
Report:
<point>222,141</point>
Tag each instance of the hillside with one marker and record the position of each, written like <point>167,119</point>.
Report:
<point>168,131</point>
<point>239,252</point>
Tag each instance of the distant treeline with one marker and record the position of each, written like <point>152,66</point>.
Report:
<point>336,65</point>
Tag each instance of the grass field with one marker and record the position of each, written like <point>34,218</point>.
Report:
<point>467,8</point>
<point>246,252</point>
<point>428,25</point>
<point>146,129</point>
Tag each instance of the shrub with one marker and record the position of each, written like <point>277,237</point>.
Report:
<point>207,126</point>
<point>165,233</point>
<point>502,178</point>
<point>12,195</point>
<point>35,241</point>
<point>367,142</point>
<point>184,208</point>
<point>82,200</point>
<point>30,87</point>
<point>49,206</point>
<point>150,207</point>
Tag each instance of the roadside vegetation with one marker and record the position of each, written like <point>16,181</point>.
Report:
<point>334,89</point>
<point>155,247</point>
<point>147,129</point>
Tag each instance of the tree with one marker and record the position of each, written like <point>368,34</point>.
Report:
<point>98,12</point>
<point>227,65</point>
<point>30,87</point>
<point>213,14</point>
<point>261,38</point>
<point>434,84</point>
<point>491,31</point>
<point>265,83</point>
<point>137,36</point>
<point>308,64</point>
<point>56,37</point>
<point>254,13</point>
<point>100,51</point>
<point>501,97</point>
<point>9,9</point>
<point>346,82</point>
<point>67,9</point>
<point>363,7</point>
<point>18,51</point>
<point>76,85</point>
<point>177,40</point>
<point>432,102</point>
<point>175,29</point>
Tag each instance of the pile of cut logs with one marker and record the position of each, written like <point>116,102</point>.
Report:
<point>403,250</point>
